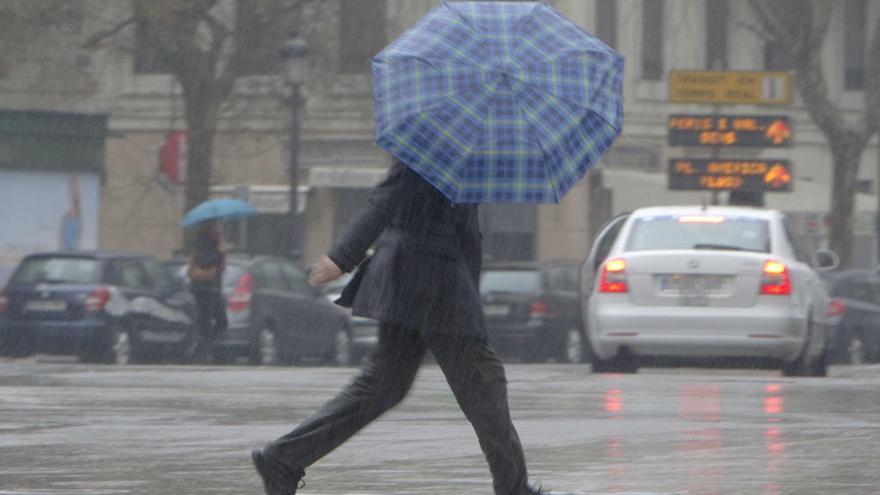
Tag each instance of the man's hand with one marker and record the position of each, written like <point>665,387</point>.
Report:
<point>324,271</point>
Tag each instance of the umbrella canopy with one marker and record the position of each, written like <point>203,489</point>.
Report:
<point>218,209</point>
<point>498,101</point>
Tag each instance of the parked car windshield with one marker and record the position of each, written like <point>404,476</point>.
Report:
<point>57,270</point>
<point>510,281</point>
<point>699,232</point>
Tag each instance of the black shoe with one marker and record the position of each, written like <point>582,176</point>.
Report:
<point>278,479</point>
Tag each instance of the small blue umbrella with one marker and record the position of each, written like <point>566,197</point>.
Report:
<point>498,101</point>
<point>219,209</point>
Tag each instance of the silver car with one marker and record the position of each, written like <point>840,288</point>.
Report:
<point>696,282</point>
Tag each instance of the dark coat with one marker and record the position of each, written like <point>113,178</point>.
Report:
<point>425,271</point>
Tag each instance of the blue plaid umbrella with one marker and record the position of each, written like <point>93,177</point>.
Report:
<point>498,101</point>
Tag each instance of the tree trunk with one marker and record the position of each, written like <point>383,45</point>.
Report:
<point>201,119</point>
<point>843,198</point>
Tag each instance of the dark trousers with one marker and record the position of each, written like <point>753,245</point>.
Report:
<point>210,318</point>
<point>474,373</point>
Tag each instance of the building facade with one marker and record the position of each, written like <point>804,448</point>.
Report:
<point>141,207</point>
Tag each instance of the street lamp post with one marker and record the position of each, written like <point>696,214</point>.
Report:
<point>293,54</point>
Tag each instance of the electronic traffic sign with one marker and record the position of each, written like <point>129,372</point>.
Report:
<point>729,130</point>
<point>731,175</point>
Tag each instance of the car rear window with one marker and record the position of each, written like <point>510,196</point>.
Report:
<point>232,274</point>
<point>510,281</point>
<point>57,270</point>
<point>699,232</point>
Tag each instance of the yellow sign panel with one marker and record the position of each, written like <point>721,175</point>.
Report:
<point>730,87</point>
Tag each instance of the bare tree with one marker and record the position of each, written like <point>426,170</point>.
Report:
<point>799,28</point>
<point>207,45</point>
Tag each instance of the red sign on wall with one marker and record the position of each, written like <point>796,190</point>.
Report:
<point>172,158</point>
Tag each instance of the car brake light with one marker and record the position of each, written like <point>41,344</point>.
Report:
<point>613,278</point>
<point>775,280</point>
<point>836,307</point>
<point>538,309</point>
<point>4,302</point>
<point>241,296</point>
<point>97,300</point>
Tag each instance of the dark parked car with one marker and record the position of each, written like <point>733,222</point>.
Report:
<point>275,316</point>
<point>853,316</point>
<point>364,331</point>
<point>532,311</point>
<point>103,307</point>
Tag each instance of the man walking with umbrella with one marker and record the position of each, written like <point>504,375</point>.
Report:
<point>480,102</point>
<point>421,284</point>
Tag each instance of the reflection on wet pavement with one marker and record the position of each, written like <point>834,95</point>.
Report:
<point>72,429</point>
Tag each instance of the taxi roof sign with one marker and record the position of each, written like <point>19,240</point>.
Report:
<point>730,87</point>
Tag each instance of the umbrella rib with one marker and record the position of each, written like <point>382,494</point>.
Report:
<point>528,119</point>
<point>464,20</point>
<point>564,99</point>
<point>429,61</point>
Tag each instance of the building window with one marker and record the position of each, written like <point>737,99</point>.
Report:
<point>716,34</point>
<point>606,21</point>
<point>7,21</point>
<point>652,40</point>
<point>361,34</point>
<point>855,14</point>
<point>508,231</point>
<point>147,55</point>
<point>260,35</point>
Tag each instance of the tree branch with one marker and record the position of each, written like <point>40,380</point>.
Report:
<point>822,11</point>
<point>97,38</point>
<point>768,19</point>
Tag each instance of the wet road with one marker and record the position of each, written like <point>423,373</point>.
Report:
<point>67,428</point>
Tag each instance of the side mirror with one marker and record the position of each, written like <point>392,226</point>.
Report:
<point>826,260</point>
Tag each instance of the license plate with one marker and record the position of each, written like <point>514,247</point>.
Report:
<point>47,305</point>
<point>496,310</point>
<point>162,337</point>
<point>693,285</point>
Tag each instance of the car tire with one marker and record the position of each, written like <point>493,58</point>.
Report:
<point>856,352</point>
<point>623,362</point>
<point>15,346</point>
<point>117,347</point>
<point>264,348</point>
<point>342,353</point>
<point>802,366</point>
<point>819,367</point>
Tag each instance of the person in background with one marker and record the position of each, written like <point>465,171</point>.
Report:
<point>422,284</point>
<point>71,222</point>
<point>205,272</point>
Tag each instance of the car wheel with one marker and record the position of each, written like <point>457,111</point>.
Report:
<point>573,351</point>
<point>264,349</point>
<point>116,348</point>
<point>15,346</point>
<point>819,367</point>
<point>621,363</point>
<point>855,350</point>
<point>342,352</point>
<point>802,365</point>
